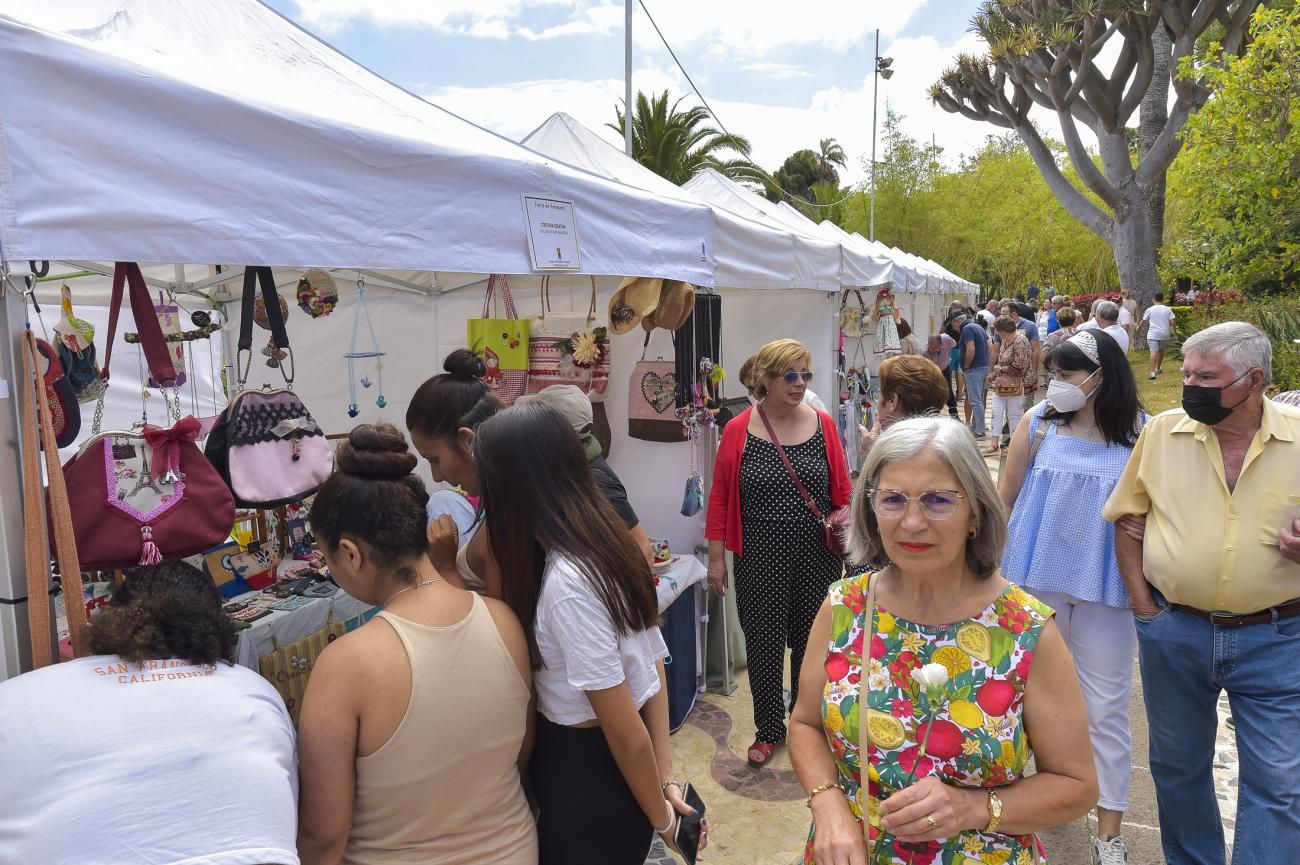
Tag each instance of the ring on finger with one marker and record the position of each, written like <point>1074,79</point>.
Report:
<point>931,822</point>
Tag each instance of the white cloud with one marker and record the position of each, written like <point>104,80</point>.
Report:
<point>727,28</point>
<point>601,19</point>
<point>778,71</point>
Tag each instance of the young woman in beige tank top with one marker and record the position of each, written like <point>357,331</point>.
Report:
<point>414,726</point>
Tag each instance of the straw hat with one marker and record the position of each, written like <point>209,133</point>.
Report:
<point>637,297</point>
<point>676,303</point>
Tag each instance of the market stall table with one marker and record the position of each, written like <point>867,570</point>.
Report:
<point>285,626</point>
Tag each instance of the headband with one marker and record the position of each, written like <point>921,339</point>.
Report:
<point>1087,343</point>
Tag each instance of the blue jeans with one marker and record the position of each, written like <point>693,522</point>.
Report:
<point>975,379</point>
<point>1186,662</point>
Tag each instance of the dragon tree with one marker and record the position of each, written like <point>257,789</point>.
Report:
<point>1046,53</point>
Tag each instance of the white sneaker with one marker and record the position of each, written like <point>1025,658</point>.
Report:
<point>1112,852</point>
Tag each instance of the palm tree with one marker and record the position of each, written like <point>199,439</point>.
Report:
<point>675,144</point>
<point>829,155</point>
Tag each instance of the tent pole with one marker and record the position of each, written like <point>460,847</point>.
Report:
<point>107,270</point>
<point>627,77</point>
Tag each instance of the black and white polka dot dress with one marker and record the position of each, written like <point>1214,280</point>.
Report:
<point>783,577</point>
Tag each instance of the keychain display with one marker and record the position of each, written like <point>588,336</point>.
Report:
<point>354,355</point>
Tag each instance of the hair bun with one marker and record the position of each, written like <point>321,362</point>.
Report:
<point>463,364</point>
<point>376,452</point>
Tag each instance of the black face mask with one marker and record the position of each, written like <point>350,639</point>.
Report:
<point>1205,404</point>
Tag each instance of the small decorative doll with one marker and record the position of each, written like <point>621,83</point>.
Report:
<point>885,315</point>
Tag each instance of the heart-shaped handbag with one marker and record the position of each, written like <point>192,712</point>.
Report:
<point>652,402</point>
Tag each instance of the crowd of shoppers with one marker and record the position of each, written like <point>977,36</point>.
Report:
<point>511,689</point>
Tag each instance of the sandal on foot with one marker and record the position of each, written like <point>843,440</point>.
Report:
<point>992,451</point>
<point>760,753</point>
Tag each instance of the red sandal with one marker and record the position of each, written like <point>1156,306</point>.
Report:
<point>760,753</point>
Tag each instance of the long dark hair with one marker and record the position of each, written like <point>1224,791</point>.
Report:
<point>373,497</point>
<point>539,496</point>
<point>168,610</point>
<point>1116,406</point>
<point>454,400</point>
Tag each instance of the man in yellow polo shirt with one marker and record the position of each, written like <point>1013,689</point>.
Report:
<point>1215,589</point>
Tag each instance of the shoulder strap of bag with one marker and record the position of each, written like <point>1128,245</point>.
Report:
<point>498,281</point>
<point>864,729</point>
<point>40,436</point>
<point>1039,435</point>
<point>271,298</point>
<point>789,469</point>
<point>127,273</point>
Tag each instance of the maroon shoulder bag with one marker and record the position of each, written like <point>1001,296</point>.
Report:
<point>138,497</point>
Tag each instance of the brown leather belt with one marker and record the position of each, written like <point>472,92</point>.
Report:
<point>1232,620</point>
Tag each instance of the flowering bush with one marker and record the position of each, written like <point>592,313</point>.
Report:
<point>1086,300</point>
<point>1217,297</point>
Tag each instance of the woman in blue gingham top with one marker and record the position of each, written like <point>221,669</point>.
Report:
<point>1062,465</point>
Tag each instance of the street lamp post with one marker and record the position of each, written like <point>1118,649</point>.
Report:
<point>880,69</point>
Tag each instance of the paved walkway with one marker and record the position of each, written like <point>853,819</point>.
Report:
<point>758,816</point>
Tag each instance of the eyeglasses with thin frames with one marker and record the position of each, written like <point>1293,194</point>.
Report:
<point>792,377</point>
<point>935,504</point>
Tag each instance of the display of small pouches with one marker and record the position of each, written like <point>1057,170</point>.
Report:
<point>74,342</point>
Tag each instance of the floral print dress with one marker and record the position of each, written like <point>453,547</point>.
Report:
<point>978,738</point>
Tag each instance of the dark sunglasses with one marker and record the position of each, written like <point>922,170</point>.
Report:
<point>791,377</point>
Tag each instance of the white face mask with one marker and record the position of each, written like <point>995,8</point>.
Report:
<point>1066,397</point>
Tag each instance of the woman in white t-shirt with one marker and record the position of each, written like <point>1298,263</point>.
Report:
<point>602,767</point>
<point>156,749</point>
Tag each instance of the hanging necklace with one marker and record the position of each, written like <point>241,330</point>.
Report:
<point>419,585</point>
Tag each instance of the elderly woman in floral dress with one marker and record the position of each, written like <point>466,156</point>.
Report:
<point>946,766</point>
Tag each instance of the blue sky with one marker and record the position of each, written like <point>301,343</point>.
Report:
<point>784,82</point>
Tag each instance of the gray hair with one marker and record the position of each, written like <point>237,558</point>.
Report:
<point>955,446</point>
<point>1109,310</point>
<point>1056,298</point>
<point>1242,346</point>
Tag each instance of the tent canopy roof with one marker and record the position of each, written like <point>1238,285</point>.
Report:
<point>217,130</point>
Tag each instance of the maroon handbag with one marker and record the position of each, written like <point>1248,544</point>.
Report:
<point>835,526</point>
<point>141,496</point>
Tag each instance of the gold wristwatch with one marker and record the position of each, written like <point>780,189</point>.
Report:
<point>995,812</point>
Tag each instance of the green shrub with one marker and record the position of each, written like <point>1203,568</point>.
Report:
<point>1278,317</point>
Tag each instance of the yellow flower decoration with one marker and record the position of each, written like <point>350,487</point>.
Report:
<point>913,642</point>
<point>973,845</point>
<point>1025,858</point>
<point>996,857</point>
<point>970,747</point>
<point>885,623</point>
<point>585,348</point>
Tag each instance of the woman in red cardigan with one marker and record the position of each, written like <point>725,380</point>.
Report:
<point>783,568</point>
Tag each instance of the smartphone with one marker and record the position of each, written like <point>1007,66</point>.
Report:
<point>687,837</point>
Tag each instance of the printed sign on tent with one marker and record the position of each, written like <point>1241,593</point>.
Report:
<point>552,233</point>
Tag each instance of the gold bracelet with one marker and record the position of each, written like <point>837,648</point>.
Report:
<point>822,789</point>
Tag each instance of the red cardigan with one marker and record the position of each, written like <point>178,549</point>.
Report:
<point>723,521</point>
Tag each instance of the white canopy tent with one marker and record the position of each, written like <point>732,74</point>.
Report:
<point>216,130</point>
<point>747,253</point>
<point>813,253</point>
<point>753,260</point>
